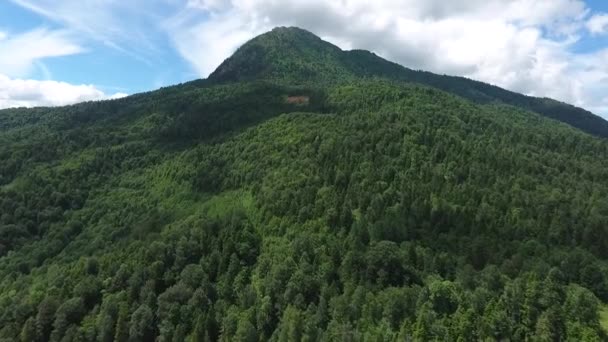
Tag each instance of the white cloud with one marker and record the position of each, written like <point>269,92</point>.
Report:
<point>205,44</point>
<point>522,45</point>
<point>598,24</point>
<point>126,26</point>
<point>208,5</point>
<point>32,93</point>
<point>19,53</point>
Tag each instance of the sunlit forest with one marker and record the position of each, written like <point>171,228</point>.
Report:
<point>304,193</point>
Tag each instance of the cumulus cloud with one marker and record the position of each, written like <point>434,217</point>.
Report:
<point>522,45</point>
<point>32,93</point>
<point>208,5</point>
<point>205,44</point>
<point>598,24</point>
<point>20,53</point>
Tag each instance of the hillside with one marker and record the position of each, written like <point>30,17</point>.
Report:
<point>290,197</point>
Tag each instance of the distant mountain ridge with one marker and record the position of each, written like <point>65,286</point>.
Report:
<point>297,56</point>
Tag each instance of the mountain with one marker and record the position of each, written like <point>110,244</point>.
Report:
<point>303,193</point>
<point>297,56</point>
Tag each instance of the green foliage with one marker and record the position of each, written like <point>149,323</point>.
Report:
<point>604,318</point>
<point>385,211</point>
<point>142,324</point>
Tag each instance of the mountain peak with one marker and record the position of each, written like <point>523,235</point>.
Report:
<point>293,56</point>
<point>286,30</point>
<point>285,53</point>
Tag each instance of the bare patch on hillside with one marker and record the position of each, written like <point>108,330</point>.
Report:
<point>298,100</point>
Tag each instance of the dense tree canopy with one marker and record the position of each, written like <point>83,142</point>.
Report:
<point>376,210</point>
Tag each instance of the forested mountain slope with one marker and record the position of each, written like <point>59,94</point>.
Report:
<point>245,208</point>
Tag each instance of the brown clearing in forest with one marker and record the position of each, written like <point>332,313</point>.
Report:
<point>298,100</point>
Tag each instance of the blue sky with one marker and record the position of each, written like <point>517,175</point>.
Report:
<point>54,52</point>
<point>112,69</point>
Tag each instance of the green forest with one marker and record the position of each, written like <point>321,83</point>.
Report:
<point>391,205</point>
